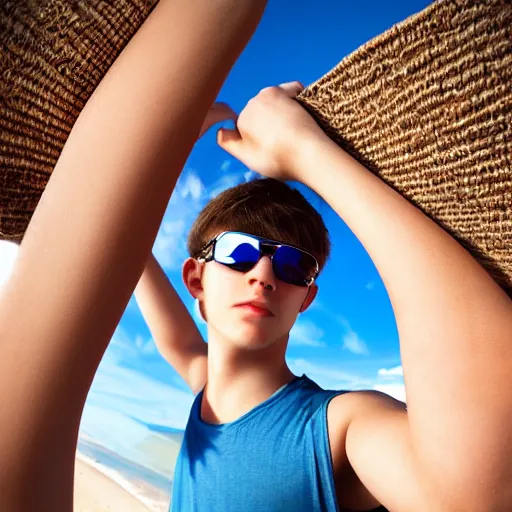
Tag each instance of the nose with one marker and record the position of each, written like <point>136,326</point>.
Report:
<point>262,274</point>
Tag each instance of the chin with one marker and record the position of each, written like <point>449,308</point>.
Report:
<point>252,338</point>
<point>249,333</point>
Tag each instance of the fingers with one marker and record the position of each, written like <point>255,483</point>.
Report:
<point>218,112</point>
<point>221,112</point>
<point>229,140</point>
<point>292,89</point>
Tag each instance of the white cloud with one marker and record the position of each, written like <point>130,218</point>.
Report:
<point>225,182</point>
<point>249,175</point>
<point>306,333</point>
<point>187,200</point>
<point>225,165</point>
<point>350,340</point>
<point>170,248</point>
<point>353,343</point>
<point>173,228</point>
<point>370,285</point>
<point>190,196</point>
<point>332,378</point>
<point>190,186</point>
<point>135,394</point>
<point>133,385</point>
<point>139,342</point>
<point>328,378</point>
<point>145,346</point>
<point>8,254</point>
<point>391,382</point>
<point>395,390</point>
<point>396,371</point>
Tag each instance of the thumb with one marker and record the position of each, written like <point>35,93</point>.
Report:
<point>230,141</point>
<point>292,89</point>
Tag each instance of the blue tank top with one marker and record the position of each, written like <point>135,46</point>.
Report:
<point>275,458</point>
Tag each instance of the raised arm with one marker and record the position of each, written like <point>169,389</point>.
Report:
<point>454,444</point>
<point>173,329</point>
<point>451,449</point>
<point>175,334</point>
<point>92,232</point>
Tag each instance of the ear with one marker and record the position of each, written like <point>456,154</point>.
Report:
<point>192,273</point>
<point>310,296</point>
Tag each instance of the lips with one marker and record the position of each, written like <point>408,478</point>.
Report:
<point>256,307</point>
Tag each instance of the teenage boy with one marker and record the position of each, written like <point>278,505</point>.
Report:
<point>261,438</point>
<point>450,450</point>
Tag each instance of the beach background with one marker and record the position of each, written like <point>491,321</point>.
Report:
<point>106,481</point>
<point>137,408</point>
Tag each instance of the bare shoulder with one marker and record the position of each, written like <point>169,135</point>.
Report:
<point>353,406</point>
<point>359,413</point>
<point>369,402</point>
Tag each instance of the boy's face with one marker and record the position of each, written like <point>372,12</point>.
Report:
<point>222,291</point>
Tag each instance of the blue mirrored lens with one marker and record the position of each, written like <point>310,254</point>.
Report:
<point>294,266</point>
<point>237,251</point>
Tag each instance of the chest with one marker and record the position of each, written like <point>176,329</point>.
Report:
<point>276,466</point>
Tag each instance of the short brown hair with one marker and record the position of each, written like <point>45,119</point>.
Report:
<point>267,208</point>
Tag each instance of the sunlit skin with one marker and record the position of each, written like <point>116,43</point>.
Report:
<point>450,450</point>
<point>246,347</point>
<point>454,323</point>
<point>452,335</point>
<point>244,327</point>
<point>107,194</point>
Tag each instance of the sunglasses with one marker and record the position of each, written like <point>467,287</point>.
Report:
<point>241,252</point>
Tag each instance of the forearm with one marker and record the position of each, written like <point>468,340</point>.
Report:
<point>167,318</point>
<point>93,229</point>
<point>454,322</point>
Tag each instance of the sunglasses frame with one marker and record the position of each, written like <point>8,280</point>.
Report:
<point>206,253</point>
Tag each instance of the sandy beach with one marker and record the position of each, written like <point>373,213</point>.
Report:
<point>95,492</point>
<point>105,480</point>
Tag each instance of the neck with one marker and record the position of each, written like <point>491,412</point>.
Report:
<point>240,379</point>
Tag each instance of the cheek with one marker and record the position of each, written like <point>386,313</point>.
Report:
<point>224,287</point>
<point>219,288</point>
<point>292,297</point>
<point>220,281</point>
<point>290,300</point>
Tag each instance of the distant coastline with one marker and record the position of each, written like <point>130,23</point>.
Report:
<point>150,487</point>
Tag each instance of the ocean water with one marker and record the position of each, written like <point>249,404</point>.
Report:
<point>148,477</point>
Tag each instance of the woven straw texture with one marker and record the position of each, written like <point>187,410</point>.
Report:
<point>427,107</point>
<point>53,54</point>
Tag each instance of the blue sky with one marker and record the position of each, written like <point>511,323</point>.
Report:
<point>348,338</point>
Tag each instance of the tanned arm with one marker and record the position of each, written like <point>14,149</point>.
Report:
<point>455,330</point>
<point>173,329</point>
<point>451,449</point>
<point>92,232</point>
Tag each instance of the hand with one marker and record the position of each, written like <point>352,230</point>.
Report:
<point>269,131</point>
<point>217,113</point>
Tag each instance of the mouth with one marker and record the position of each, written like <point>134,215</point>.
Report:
<point>255,309</point>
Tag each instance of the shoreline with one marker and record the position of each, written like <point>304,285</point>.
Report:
<point>99,488</point>
<point>96,492</point>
